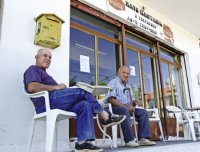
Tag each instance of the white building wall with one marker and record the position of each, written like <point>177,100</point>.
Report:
<point>17,53</point>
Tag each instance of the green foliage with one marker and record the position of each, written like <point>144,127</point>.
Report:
<point>72,81</point>
<point>137,92</point>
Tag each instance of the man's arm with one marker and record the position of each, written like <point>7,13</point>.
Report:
<point>34,87</point>
<point>116,103</point>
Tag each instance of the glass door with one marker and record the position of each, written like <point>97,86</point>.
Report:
<point>150,82</point>
<point>107,55</point>
<point>177,84</point>
<point>141,59</point>
<point>132,59</point>
<point>167,84</point>
<point>172,78</point>
<point>94,49</point>
<point>173,86</point>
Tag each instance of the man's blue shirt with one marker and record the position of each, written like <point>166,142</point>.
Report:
<point>36,74</point>
<point>120,91</point>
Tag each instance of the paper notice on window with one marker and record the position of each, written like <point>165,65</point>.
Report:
<point>132,70</point>
<point>84,63</point>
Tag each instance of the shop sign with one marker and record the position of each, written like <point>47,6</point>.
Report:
<point>129,13</point>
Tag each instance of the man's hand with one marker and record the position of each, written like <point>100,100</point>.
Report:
<point>60,86</point>
<point>130,108</point>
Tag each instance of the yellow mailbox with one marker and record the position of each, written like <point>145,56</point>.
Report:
<point>48,30</point>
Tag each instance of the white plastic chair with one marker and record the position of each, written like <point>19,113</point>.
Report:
<point>193,119</point>
<point>181,119</point>
<point>53,115</point>
<point>134,124</point>
<point>102,91</point>
<point>186,118</point>
<point>155,118</point>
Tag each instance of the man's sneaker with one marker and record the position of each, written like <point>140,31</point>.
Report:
<point>146,142</point>
<point>113,120</point>
<point>132,143</point>
<point>87,147</point>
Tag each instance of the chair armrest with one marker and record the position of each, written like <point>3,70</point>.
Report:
<point>44,94</point>
<point>37,94</point>
<point>154,114</point>
<point>151,110</point>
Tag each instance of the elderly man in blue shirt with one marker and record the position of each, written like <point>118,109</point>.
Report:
<point>120,98</point>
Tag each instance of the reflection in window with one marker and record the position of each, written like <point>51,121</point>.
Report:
<point>92,59</point>
<point>149,82</point>
<point>177,87</point>
<point>166,55</point>
<point>93,23</point>
<point>107,61</point>
<point>173,86</point>
<point>139,43</point>
<point>82,62</point>
<point>167,84</point>
<point>133,62</point>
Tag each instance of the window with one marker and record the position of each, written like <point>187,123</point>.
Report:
<point>94,49</point>
<point>138,42</point>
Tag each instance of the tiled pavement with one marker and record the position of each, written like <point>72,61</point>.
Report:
<point>168,146</point>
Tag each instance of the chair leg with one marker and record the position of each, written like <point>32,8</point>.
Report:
<point>50,129</point>
<point>114,135</point>
<point>104,136</point>
<point>55,139</point>
<point>186,130</point>
<point>161,131</point>
<point>191,125</point>
<point>32,130</point>
<point>121,135</point>
<point>177,129</point>
<point>103,132</point>
<point>68,140</point>
<point>135,128</point>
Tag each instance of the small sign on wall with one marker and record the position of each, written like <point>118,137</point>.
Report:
<point>132,70</point>
<point>84,63</point>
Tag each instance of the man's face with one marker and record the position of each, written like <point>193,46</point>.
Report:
<point>124,74</point>
<point>43,59</point>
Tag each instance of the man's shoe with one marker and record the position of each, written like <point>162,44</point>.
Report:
<point>146,142</point>
<point>132,143</point>
<point>113,120</point>
<point>87,147</point>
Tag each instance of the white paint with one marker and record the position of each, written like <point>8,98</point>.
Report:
<point>17,52</point>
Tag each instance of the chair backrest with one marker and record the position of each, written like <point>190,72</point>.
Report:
<point>177,112</point>
<point>193,115</point>
<point>44,94</point>
<point>153,114</point>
